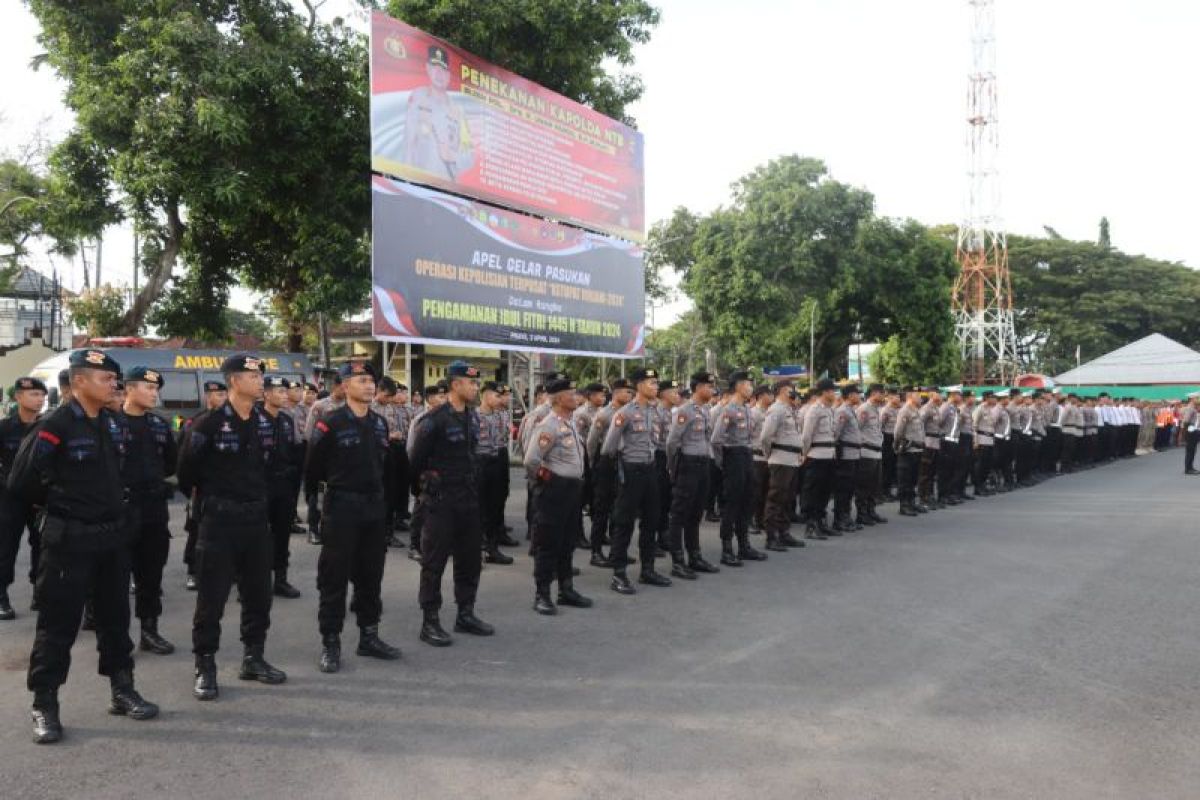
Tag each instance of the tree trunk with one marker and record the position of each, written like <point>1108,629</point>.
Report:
<point>156,282</point>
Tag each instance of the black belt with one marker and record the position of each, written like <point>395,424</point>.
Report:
<point>686,457</point>
<point>787,448</point>
<point>823,444</point>
<point>872,447</point>
<point>636,464</point>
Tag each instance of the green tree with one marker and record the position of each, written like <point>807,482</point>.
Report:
<point>235,133</point>
<point>99,311</point>
<point>564,45</point>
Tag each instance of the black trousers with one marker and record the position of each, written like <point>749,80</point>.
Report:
<point>281,512</point>
<point>687,504</point>
<point>354,538</point>
<point>15,518</point>
<point>233,543</point>
<point>1067,455</point>
<point>1026,455</point>
<point>1105,434</point>
<point>965,463</point>
<point>417,525</point>
<point>493,494</point>
<point>780,497</point>
<point>818,482</point>
<point>191,526</point>
<point>396,483</point>
<point>67,578</point>
<point>926,472</point>
<point>983,466</point>
<point>947,469</point>
<point>716,488</point>
<point>450,528</point>
<point>762,482</point>
<point>1050,449</point>
<point>664,498</point>
<point>845,474</point>
<point>1189,452</point>
<point>150,539</point>
<point>558,512</point>
<point>737,478</point>
<point>604,494</point>
<point>866,485</point>
<point>888,467</point>
<point>637,502</point>
<point>907,467</point>
<point>1003,454</point>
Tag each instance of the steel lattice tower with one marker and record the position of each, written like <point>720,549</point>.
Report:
<point>982,301</point>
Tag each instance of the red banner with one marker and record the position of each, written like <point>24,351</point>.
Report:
<point>444,118</point>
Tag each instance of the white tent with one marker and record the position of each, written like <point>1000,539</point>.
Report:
<point>1155,359</point>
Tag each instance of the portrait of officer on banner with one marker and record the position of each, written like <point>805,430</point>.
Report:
<point>437,138</point>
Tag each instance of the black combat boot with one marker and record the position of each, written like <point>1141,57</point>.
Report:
<point>774,544</point>
<point>504,540</point>
<point>567,596</point>
<point>651,578</point>
<point>728,558</point>
<point>542,603</point>
<point>396,542</point>
<point>466,622</point>
<point>206,678</point>
<point>256,668</point>
<point>787,540</point>
<point>582,543</point>
<point>600,560</point>
<point>825,529</point>
<point>698,564</point>
<point>331,653</point>
<point>863,520</point>
<point>370,645</point>
<point>680,569</point>
<point>46,726</point>
<point>621,585</point>
<point>283,588</point>
<point>126,701</point>
<point>495,556</point>
<point>314,536</point>
<point>746,552</point>
<point>151,642</point>
<point>875,516</point>
<point>6,609</point>
<point>811,531</point>
<point>432,631</point>
<point>908,510</point>
<point>842,524</point>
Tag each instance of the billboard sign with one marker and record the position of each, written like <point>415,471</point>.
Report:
<point>443,118</point>
<point>454,271</point>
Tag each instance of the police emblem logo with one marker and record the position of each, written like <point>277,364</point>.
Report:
<point>358,368</point>
<point>253,364</point>
<point>25,383</point>
<point>225,428</point>
<point>152,376</point>
<point>394,46</point>
<point>94,357</point>
<point>472,372</point>
<point>545,439</point>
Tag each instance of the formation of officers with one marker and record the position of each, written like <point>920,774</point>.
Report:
<point>89,482</point>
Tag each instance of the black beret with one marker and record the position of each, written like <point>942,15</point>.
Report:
<point>967,393</point>
<point>667,385</point>
<point>1014,392</point>
<point>738,377</point>
<point>243,363</point>
<point>988,394</point>
<point>643,374</point>
<point>321,395</point>
<point>28,383</point>
<point>215,386</point>
<point>826,384</point>
<point>387,385</point>
<point>275,382</point>
<point>145,374</point>
<point>849,389</point>
<point>620,383</point>
<point>400,387</point>
<point>702,377</point>
<point>461,369</point>
<point>310,387</point>
<point>874,387</point>
<point>64,377</point>
<point>93,359</point>
<point>352,368</point>
<point>441,387</point>
<point>592,388</point>
<point>558,382</point>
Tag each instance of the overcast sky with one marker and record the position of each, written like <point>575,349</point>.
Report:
<point>1098,108</point>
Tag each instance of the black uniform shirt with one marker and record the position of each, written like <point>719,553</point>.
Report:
<point>12,431</point>
<point>72,465</point>
<point>223,455</point>
<point>347,452</point>
<point>278,437</point>
<point>150,453</point>
<point>445,444</point>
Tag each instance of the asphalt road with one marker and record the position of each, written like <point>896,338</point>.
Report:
<point>1040,644</point>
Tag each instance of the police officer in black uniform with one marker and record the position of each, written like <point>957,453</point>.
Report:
<point>349,453</point>
<point>224,458</point>
<point>283,465</point>
<point>150,457</point>
<point>71,465</point>
<point>215,395</point>
<point>16,515</point>
<point>443,457</point>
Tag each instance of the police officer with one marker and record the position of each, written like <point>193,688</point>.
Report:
<point>909,443</point>
<point>931,422</point>
<point>764,399</point>
<point>849,451</point>
<point>283,465</point>
<point>985,432</point>
<point>71,465</point>
<point>435,396</point>
<point>630,442</point>
<point>385,405</point>
<point>689,457</point>
<point>966,445</point>
<point>604,472</point>
<point>492,451</point>
<point>668,399</point>
<point>349,455</point>
<point>335,400</point>
<point>443,457</point>
<point>150,458</point>
<point>224,456</point>
<point>779,442</point>
<point>16,515</point>
<point>1190,423</point>
<point>887,423</point>
<point>215,395</point>
<point>555,463</point>
<point>949,422</point>
<point>731,445</point>
<point>818,452</point>
<point>594,398</point>
<point>867,483</point>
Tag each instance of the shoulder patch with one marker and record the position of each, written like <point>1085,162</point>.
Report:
<point>322,427</point>
<point>47,436</point>
<point>544,439</point>
<point>681,418</point>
